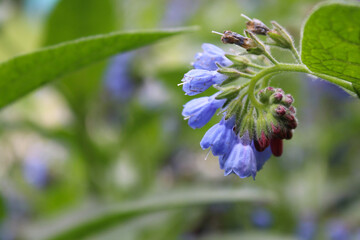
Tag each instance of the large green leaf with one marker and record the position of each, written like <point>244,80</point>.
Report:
<point>100,218</point>
<point>74,19</point>
<point>65,24</point>
<point>24,73</point>
<point>331,41</point>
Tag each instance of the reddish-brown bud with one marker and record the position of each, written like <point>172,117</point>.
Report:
<point>292,124</point>
<point>288,100</point>
<point>292,109</point>
<point>276,145</point>
<point>288,135</point>
<point>276,97</point>
<point>261,143</point>
<point>271,89</point>
<point>289,117</point>
<point>280,110</point>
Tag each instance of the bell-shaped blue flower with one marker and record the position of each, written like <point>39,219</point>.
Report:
<point>241,160</point>
<point>199,111</point>
<point>220,137</point>
<point>208,59</point>
<point>261,157</point>
<point>198,80</point>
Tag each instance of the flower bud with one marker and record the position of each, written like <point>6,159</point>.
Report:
<point>276,97</point>
<point>264,94</point>
<point>280,36</point>
<point>292,109</point>
<point>240,61</point>
<point>228,93</point>
<point>288,134</point>
<point>230,72</point>
<point>292,124</point>
<point>257,27</point>
<point>276,145</point>
<point>262,142</point>
<point>288,100</point>
<point>278,110</point>
<point>230,37</point>
<point>234,109</point>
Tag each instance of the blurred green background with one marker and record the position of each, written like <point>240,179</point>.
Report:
<point>111,139</point>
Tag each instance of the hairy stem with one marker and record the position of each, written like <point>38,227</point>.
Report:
<point>289,68</point>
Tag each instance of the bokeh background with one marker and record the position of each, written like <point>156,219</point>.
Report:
<point>112,134</point>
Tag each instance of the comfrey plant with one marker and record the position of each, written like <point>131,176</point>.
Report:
<point>256,118</point>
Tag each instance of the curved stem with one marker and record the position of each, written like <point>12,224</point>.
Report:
<point>295,53</point>
<point>266,80</point>
<point>289,68</point>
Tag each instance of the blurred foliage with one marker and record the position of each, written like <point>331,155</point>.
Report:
<point>105,154</point>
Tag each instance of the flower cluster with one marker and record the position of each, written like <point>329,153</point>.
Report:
<point>256,118</point>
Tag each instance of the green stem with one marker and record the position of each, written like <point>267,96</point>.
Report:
<point>295,53</point>
<point>266,80</point>
<point>271,58</point>
<point>289,68</point>
<point>254,65</point>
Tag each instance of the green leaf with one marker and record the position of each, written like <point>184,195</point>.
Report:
<point>24,73</point>
<point>65,23</point>
<point>101,218</point>
<point>331,41</point>
<point>357,88</point>
<point>261,235</point>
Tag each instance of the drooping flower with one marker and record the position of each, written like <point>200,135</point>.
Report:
<point>220,137</point>
<point>198,80</point>
<point>199,111</point>
<point>208,59</point>
<point>261,157</point>
<point>241,160</point>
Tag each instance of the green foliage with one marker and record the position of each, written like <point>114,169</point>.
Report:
<point>105,217</point>
<point>22,74</point>
<point>65,23</point>
<point>331,43</point>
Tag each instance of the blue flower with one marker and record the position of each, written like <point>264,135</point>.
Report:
<point>199,111</point>
<point>240,160</point>
<point>261,157</point>
<point>261,218</point>
<point>208,59</point>
<point>118,81</point>
<point>243,159</point>
<point>337,231</point>
<point>220,137</point>
<point>306,229</point>
<point>198,80</point>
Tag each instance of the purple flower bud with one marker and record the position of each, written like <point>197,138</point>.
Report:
<point>220,137</point>
<point>262,142</point>
<point>198,80</point>
<point>199,111</point>
<point>280,110</point>
<point>276,97</point>
<point>208,59</point>
<point>276,145</point>
<point>288,100</point>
